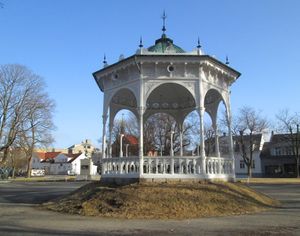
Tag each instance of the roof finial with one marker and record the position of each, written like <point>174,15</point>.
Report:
<point>227,61</point>
<point>141,42</point>
<point>104,61</point>
<point>198,45</point>
<point>164,16</point>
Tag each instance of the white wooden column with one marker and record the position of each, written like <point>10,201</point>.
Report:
<point>141,139</point>
<point>202,140</point>
<point>181,139</point>
<point>111,125</point>
<point>201,110</point>
<point>104,119</point>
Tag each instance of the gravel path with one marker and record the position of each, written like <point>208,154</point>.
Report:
<point>19,215</point>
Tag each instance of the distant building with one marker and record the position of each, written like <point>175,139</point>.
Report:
<point>277,157</point>
<point>240,165</point>
<point>129,146</point>
<point>57,163</point>
<point>85,147</point>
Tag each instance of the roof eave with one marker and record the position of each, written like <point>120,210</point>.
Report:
<point>103,70</point>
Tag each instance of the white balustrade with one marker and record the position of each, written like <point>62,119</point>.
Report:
<point>168,167</point>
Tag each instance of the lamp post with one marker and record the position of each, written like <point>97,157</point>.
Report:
<point>127,149</point>
<point>297,151</point>
<point>172,151</point>
<point>121,145</point>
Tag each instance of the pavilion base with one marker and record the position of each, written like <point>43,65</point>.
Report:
<point>175,179</point>
<point>119,181</point>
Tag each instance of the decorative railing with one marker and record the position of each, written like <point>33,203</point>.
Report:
<point>166,166</point>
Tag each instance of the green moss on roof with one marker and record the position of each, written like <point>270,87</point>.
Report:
<point>165,44</point>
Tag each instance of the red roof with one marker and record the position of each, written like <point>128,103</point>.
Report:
<point>132,139</point>
<point>47,155</point>
<point>72,156</point>
<point>52,155</point>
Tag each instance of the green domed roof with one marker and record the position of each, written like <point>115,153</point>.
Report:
<point>165,44</point>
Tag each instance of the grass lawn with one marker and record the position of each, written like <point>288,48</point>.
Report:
<point>271,180</point>
<point>44,179</point>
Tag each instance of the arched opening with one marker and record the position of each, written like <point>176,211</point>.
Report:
<point>166,107</point>
<point>170,98</point>
<point>161,133</point>
<point>223,132</point>
<point>123,99</point>
<point>191,132</point>
<point>124,134</point>
<point>215,106</point>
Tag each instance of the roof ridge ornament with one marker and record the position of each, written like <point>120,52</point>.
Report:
<point>141,42</point>
<point>227,61</point>
<point>198,43</point>
<point>104,61</point>
<point>164,17</point>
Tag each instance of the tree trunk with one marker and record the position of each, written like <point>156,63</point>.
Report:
<point>5,155</point>
<point>13,176</point>
<point>250,171</point>
<point>297,167</point>
<point>29,167</point>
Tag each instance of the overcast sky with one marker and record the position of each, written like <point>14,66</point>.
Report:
<point>64,42</point>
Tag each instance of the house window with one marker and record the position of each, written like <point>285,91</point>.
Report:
<point>242,164</point>
<point>278,151</point>
<point>288,151</point>
<point>253,164</point>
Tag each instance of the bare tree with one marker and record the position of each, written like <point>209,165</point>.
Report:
<point>24,108</point>
<point>158,129</point>
<point>16,160</point>
<point>250,123</point>
<point>157,132</point>
<point>37,127</point>
<point>16,85</point>
<point>289,124</point>
<point>209,134</point>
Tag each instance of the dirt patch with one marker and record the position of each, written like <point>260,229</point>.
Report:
<point>162,200</point>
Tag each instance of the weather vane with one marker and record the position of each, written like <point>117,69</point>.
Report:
<point>164,17</point>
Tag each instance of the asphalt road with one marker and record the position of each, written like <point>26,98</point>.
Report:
<point>19,215</point>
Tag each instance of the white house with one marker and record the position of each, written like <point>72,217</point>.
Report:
<point>240,166</point>
<point>81,165</point>
<point>57,163</point>
<point>43,160</point>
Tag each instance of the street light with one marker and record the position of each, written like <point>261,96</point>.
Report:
<point>121,145</point>
<point>127,149</point>
<point>172,151</point>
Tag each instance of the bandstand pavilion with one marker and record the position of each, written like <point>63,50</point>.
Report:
<point>164,78</point>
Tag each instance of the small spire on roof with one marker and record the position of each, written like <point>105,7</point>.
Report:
<point>164,16</point>
<point>141,42</point>
<point>198,45</point>
<point>227,61</point>
<point>104,60</point>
